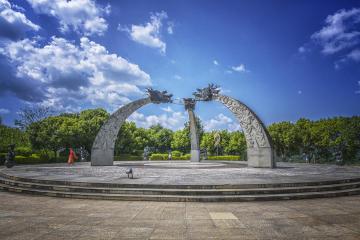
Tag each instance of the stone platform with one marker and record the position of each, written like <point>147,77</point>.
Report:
<point>183,181</point>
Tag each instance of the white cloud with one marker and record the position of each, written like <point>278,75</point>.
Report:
<point>167,109</point>
<point>220,121</point>
<point>340,32</point>
<point>82,16</point>
<point>69,75</point>
<point>239,68</point>
<point>224,90</point>
<point>354,55</point>
<point>170,28</point>
<point>14,24</point>
<point>235,126</point>
<point>303,49</point>
<point>215,62</point>
<point>177,77</point>
<point>149,33</point>
<point>4,111</point>
<point>172,120</point>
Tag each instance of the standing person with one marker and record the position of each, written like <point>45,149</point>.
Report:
<point>72,157</point>
<point>10,157</point>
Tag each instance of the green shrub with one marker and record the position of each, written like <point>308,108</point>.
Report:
<point>23,151</point>
<point>137,153</point>
<point>181,158</point>
<point>226,157</point>
<point>176,154</point>
<point>159,156</point>
<point>36,159</point>
<point>127,157</point>
<point>28,160</point>
<point>2,158</point>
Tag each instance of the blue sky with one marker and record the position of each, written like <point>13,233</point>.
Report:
<point>284,59</point>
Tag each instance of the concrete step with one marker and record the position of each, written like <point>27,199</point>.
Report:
<point>192,198</point>
<point>181,192</point>
<point>167,186</point>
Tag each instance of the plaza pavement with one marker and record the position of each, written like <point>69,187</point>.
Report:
<point>29,217</point>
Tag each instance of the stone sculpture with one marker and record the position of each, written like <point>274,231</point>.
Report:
<point>259,146</point>
<point>102,152</point>
<point>206,94</point>
<point>195,146</point>
<point>159,96</point>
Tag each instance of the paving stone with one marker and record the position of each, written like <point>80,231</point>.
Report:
<point>42,218</point>
<point>181,172</point>
<point>222,215</point>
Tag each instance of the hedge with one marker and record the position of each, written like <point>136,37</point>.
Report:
<point>23,151</point>
<point>176,154</point>
<point>159,156</point>
<point>164,156</point>
<point>226,157</point>
<point>35,159</point>
<point>127,157</point>
<point>183,157</point>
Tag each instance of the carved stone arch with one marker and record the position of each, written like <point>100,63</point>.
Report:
<point>102,151</point>
<point>259,145</point>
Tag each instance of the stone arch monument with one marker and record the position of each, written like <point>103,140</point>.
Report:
<point>260,151</point>
<point>102,151</point>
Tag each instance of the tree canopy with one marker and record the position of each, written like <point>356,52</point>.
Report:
<point>319,140</point>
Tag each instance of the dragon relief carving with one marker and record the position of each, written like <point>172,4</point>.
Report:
<point>159,96</point>
<point>252,127</point>
<point>206,94</point>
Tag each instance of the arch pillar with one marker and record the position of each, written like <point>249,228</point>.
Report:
<point>194,137</point>
<point>260,152</point>
<point>102,151</point>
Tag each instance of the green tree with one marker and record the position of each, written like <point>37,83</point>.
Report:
<point>284,138</point>
<point>160,138</point>
<point>30,115</point>
<point>236,144</point>
<point>126,141</point>
<point>181,141</point>
<point>66,130</point>
<point>9,135</point>
<point>89,124</point>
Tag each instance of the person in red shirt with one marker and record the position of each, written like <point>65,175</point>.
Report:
<point>72,157</point>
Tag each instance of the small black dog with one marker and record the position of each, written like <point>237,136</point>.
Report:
<point>128,172</point>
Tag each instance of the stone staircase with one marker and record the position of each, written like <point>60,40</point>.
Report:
<point>186,193</point>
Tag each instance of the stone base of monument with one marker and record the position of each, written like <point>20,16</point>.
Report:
<point>183,181</point>
<point>261,158</point>
<point>102,158</point>
<point>195,156</point>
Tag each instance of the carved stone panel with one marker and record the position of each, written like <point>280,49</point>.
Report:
<point>260,151</point>
<point>195,148</point>
<point>255,134</point>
